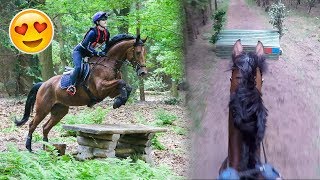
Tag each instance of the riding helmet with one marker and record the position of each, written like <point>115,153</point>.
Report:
<point>98,16</point>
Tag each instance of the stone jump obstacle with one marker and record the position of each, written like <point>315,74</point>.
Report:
<point>111,140</point>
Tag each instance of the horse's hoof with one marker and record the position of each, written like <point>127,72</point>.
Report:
<point>28,144</point>
<point>29,148</point>
<point>117,103</point>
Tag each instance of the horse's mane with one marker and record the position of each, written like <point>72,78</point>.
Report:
<point>246,103</point>
<point>118,38</point>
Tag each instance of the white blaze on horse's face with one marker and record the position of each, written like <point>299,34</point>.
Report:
<point>139,56</point>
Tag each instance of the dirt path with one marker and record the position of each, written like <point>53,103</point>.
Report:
<point>290,92</point>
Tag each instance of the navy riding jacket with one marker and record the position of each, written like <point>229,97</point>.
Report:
<point>86,47</point>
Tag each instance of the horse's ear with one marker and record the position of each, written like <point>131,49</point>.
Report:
<point>138,38</point>
<point>259,49</point>
<point>237,48</point>
<point>144,40</point>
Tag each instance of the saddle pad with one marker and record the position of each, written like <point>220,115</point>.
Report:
<point>65,81</point>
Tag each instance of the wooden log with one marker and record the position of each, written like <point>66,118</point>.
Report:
<point>84,152</point>
<point>103,153</point>
<point>96,143</point>
<point>110,137</point>
<point>61,147</point>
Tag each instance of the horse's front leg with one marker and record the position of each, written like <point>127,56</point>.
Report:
<point>115,88</point>
<point>124,91</point>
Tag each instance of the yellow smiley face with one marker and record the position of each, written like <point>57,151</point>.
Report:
<point>31,31</point>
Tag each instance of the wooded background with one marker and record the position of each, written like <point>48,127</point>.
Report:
<point>159,20</point>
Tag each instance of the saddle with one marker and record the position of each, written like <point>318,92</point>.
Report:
<point>82,77</point>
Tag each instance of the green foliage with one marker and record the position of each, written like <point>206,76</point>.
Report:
<point>155,83</point>
<point>164,117</point>
<point>12,126</point>
<point>162,22</point>
<point>219,19</point>
<point>87,116</point>
<point>277,13</point>
<point>16,164</point>
<point>179,130</point>
<point>172,101</point>
<point>199,4</point>
<point>36,137</point>
<point>156,143</point>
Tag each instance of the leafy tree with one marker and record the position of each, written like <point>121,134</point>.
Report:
<point>277,13</point>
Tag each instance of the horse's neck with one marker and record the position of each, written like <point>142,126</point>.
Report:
<point>119,50</point>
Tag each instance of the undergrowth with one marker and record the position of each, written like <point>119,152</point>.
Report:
<point>87,116</point>
<point>164,117</point>
<point>15,164</point>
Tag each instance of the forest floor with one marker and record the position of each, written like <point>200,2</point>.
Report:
<point>291,93</point>
<point>175,141</point>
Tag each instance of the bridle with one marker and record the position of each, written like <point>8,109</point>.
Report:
<point>119,63</point>
<point>135,63</point>
<point>255,77</point>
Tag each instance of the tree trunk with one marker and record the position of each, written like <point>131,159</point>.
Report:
<point>141,82</point>
<point>124,28</point>
<point>174,89</point>
<point>45,58</point>
<point>210,5</point>
<point>215,5</point>
<point>62,54</point>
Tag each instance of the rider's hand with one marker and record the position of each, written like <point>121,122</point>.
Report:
<point>101,53</point>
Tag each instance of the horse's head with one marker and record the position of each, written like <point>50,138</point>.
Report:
<point>137,56</point>
<point>247,66</point>
<point>246,105</point>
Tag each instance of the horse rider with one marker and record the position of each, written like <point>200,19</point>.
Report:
<point>94,38</point>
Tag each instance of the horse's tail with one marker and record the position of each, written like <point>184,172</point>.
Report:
<point>29,104</point>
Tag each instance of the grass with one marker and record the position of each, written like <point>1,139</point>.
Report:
<point>16,164</point>
<point>10,129</point>
<point>164,117</point>
<point>179,130</point>
<point>87,116</point>
<point>156,143</point>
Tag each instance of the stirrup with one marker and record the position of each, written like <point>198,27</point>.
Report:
<point>71,90</point>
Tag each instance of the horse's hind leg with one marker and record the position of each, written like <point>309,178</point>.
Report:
<point>40,115</point>
<point>58,111</point>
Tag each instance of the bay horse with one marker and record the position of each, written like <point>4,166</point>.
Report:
<point>104,80</point>
<point>247,114</point>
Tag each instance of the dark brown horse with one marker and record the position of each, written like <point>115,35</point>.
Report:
<point>103,81</point>
<point>247,114</point>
